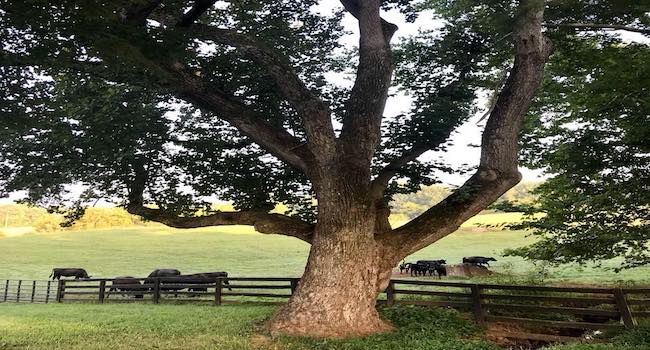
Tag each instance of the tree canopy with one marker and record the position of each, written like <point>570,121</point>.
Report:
<point>159,105</point>
<point>590,128</point>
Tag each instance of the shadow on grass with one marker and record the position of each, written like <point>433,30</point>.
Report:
<point>417,328</point>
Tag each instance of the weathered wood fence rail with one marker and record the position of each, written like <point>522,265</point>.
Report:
<point>557,307</point>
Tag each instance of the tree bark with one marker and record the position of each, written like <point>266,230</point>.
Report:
<point>338,291</point>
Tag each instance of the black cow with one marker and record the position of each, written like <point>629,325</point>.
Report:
<point>127,284</point>
<point>434,267</point>
<point>160,273</point>
<point>433,262</point>
<point>164,273</point>
<point>404,266</point>
<point>441,270</point>
<point>203,278</point>
<point>419,269</point>
<point>479,261</point>
<point>77,273</point>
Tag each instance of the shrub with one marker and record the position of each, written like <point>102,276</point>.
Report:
<point>47,223</point>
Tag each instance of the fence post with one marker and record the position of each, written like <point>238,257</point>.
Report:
<point>294,284</point>
<point>60,291</point>
<point>217,291</point>
<point>6,290</point>
<point>47,292</point>
<point>102,291</point>
<point>624,308</point>
<point>390,293</point>
<point>33,291</point>
<point>156,290</point>
<point>477,307</point>
<point>20,282</point>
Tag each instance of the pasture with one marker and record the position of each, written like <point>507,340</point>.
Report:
<point>242,252</point>
<point>60,326</point>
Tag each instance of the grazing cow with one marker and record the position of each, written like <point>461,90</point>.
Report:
<point>441,270</point>
<point>158,273</point>
<point>127,284</point>
<point>164,273</point>
<point>77,273</point>
<point>404,266</point>
<point>434,267</point>
<point>419,269</point>
<point>433,262</point>
<point>204,278</point>
<point>479,261</point>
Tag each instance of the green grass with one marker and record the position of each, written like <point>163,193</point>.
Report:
<point>637,339</point>
<point>242,252</point>
<point>128,326</point>
<point>227,327</point>
<point>237,327</point>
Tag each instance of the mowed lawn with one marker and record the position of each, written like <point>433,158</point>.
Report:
<point>242,252</point>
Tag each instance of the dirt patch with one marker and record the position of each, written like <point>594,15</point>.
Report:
<point>467,270</point>
<point>512,336</point>
<point>265,342</point>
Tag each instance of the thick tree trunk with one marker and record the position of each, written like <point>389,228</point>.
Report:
<point>345,272</point>
<point>338,291</point>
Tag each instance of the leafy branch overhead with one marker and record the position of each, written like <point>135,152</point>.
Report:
<point>162,106</point>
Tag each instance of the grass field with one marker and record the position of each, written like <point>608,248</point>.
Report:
<point>242,252</point>
<point>237,327</point>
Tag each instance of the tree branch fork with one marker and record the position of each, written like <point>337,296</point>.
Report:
<point>361,126</point>
<point>498,167</point>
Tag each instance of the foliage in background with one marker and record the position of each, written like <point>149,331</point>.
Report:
<point>42,221</point>
<point>408,206</point>
<point>590,128</point>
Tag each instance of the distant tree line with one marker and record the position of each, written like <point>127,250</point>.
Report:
<point>405,207</point>
<point>408,206</point>
<point>15,215</point>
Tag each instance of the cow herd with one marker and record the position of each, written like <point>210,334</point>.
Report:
<point>439,268</point>
<point>170,280</point>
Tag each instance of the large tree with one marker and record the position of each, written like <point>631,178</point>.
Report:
<point>86,86</point>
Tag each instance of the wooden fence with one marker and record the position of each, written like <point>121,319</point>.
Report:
<point>534,306</point>
<point>22,291</point>
<point>176,289</point>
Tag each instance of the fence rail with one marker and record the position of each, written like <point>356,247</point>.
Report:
<point>540,306</point>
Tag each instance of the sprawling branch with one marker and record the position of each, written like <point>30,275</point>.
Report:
<point>380,182</point>
<point>362,120</point>
<point>262,221</point>
<point>497,170</point>
<point>199,8</point>
<point>314,111</point>
<point>597,26</point>
<point>274,139</point>
<point>354,8</point>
